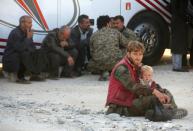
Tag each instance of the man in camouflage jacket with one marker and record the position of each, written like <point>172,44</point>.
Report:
<point>105,46</point>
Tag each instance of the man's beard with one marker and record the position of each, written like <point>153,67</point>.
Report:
<point>132,62</point>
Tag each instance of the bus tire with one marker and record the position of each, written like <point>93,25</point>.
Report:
<point>154,33</point>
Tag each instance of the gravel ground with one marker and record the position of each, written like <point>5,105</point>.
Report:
<point>78,105</point>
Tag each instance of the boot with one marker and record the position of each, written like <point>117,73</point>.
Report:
<point>179,113</point>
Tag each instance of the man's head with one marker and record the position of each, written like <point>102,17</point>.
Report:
<point>135,51</point>
<point>103,21</point>
<point>64,33</point>
<point>25,23</point>
<point>146,73</point>
<point>84,22</point>
<point>118,22</point>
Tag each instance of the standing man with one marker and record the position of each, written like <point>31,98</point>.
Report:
<point>16,59</point>
<point>105,48</point>
<point>126,96</point>
<point>179,28</point>
<point>191,56</point>
<point>80,35</point>
<point>61,52</point>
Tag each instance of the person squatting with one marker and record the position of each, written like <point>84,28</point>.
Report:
<point>114,52</point>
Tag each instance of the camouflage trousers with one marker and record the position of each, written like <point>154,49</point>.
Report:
<point>139,106</point>
<point>100,66</point>
<point>105,64</point>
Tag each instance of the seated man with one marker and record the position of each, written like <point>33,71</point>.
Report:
<point>81,37</point>
<point>118,22</point>
<point>16,59</point>
<point>61,52</point>
<point>105,48</point>
<point>126,96</point>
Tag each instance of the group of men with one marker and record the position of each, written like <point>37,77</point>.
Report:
<point>66,52</point>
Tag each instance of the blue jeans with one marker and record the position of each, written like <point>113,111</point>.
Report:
<point>177,61</point>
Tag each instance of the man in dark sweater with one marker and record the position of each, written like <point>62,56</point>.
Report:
<point>16,60</point>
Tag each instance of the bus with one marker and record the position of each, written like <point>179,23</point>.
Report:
<point>149,19</point>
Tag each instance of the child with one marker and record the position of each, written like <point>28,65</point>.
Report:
<point>146,75</point>
<point>147,79</point>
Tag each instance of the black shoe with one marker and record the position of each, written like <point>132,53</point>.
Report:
<point>53,77</point>
<point>69,75</point>
<point>37,78</point>
<point>23,81</point>
<point>78,73</point>
<point>181,70</point>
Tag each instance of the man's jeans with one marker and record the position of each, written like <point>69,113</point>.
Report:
<point>177,61</point>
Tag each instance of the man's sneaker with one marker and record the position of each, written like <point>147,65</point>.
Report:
<point>5,74</point>
<point>23,81</point>
<point>12,77</point>
<point>60,69</point>
<point>53,77</point>
<point>179,113</point>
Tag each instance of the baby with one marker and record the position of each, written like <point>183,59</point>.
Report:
<point>147,79</point>
<point>146,75</point>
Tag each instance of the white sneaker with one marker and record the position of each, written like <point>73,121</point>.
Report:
<point>5,74</point>
<point>12,77</point>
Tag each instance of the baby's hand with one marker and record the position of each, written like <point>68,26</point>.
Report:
<point>167,99</point>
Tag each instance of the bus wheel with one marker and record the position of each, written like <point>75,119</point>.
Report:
<point>154,33</point>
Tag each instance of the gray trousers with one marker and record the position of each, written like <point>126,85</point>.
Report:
<point>177,61</point>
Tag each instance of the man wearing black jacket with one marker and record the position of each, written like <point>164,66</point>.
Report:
<point>61,52</point>
<point>16,59</point>
<point>81,37</point>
